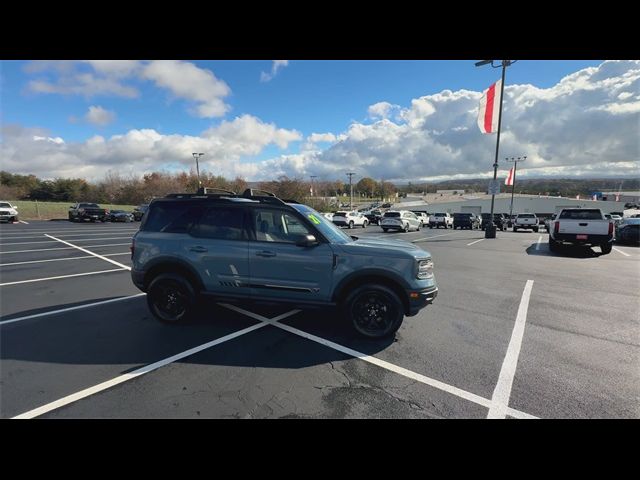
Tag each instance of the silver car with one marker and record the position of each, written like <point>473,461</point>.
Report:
<point>400,220</point>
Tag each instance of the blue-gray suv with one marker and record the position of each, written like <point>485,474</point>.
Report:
<point>257,247</point>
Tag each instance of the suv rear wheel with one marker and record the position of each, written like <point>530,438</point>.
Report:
<point>374,311</point>
<point>170,298</point>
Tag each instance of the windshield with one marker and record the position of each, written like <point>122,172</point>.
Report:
<point>326,227</point>
<point>5,205</point>
<point>341,214</point>
<point>526,215</point>
<point>391,214</point>
<point>440,215</point>
<point>88,205</point>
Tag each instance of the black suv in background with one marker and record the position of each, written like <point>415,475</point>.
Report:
<point>465,220</point>
<point>498,219</point>
<point>138,212</point>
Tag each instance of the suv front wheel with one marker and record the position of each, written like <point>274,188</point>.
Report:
<point>171,298</point>
<point>374,311</point>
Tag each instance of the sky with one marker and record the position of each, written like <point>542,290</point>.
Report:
<point>394,120</point>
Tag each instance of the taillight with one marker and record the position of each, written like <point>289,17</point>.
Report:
<point>610,228</point>
<point>556,227</point>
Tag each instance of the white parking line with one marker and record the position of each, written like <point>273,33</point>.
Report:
<point>71,235</point>
<point>74,239</point>
<point>22,221</point>
<point>69,309</point>
<point>620,251</point>
<point>62,259</point>
<point>458,392</point>
<point>475,241</point>
<point>538,244</point>
<point>82,230</point>
<point>63,276</point>
<point>90,252</point>
<point>141,371</point>
<point>432,236</point>
<point>502,392</point>
<point>63,248</point>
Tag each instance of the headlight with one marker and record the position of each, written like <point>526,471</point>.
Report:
<point>425,269</point>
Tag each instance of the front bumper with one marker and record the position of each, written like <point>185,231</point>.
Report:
<point>423,298</point>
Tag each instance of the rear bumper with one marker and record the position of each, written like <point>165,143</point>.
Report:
<point>424,297</point>
<point>590,240</point>
<point>137,277</point>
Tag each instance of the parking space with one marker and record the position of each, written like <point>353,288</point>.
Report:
<point>515,332</point>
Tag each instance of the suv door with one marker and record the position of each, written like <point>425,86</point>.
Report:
<point>218,248</point>
<point>280,269</point>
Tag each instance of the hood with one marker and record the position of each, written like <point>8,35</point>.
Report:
<point>388,248</point>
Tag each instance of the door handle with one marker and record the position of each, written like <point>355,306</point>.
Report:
<point>198,249</point>
<point>266,253</point>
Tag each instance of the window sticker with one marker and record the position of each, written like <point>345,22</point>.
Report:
<point>313,218</point>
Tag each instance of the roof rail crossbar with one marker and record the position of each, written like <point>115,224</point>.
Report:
<point>252,192</point>
<point>217,191</point>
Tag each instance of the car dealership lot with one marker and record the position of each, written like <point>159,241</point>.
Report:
<point>514,332</point>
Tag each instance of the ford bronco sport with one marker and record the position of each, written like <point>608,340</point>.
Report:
<point>257,247</point>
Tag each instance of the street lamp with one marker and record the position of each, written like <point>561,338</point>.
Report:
<point>197,156</point>
<point>351,174</point>
<point>490,232</point>
<point>513,183</point>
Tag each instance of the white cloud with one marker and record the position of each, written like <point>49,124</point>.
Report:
<point>382,110</point>
<point>34,150</point>
<point>277,65</point>
<point>186,80</point>
<point>91,78</point>
<point>99,116</point>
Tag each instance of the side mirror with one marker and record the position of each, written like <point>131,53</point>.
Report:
<point>306,241</point>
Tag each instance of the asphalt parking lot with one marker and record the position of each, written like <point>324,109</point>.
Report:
<point>515,332</point>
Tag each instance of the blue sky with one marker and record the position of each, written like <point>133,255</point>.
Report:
<point>306,96</point>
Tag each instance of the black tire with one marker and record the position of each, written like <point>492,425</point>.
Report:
<point>385,230</point>
<point>351,224</point>
<point>374,311</point>
<point>535,229</point>
<point>515,229</point>
<point>171,298</point>
<point>430,226</point>
<point>406,228</point>
<point>419,226</point>
<point>364,224</point>
<point>606,248</point>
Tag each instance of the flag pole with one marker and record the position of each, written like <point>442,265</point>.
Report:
<point>513,181</point>
<point>490,231</point>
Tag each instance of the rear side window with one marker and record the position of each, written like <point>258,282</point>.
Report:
<point>581,215</point>
<point>171,217</point>
<point>223,222</point>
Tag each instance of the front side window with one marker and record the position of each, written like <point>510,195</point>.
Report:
<point>272,225</point>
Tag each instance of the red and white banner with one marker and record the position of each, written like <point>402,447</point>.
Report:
<point>617,197</point>
<point>490,109</point>
<point>509,179</point>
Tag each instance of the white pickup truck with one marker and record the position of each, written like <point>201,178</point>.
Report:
<point>441,220</point>
<point>581,226</point>
<point>525,221</point>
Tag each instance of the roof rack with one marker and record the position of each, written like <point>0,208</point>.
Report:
<point>261,196</point>
<point>252,192</point>
<point>209,190</point>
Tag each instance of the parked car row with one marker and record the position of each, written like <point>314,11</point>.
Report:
<point>82,211</point>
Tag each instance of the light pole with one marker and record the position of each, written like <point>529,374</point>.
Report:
<point>197,156</point>
<point>513,183</point>
<point>351,174</point>
<point>490,231</point>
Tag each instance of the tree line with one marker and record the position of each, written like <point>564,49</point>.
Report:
<point>132,190</point>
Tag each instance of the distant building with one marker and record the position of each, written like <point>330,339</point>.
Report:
<point>624,196</point>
